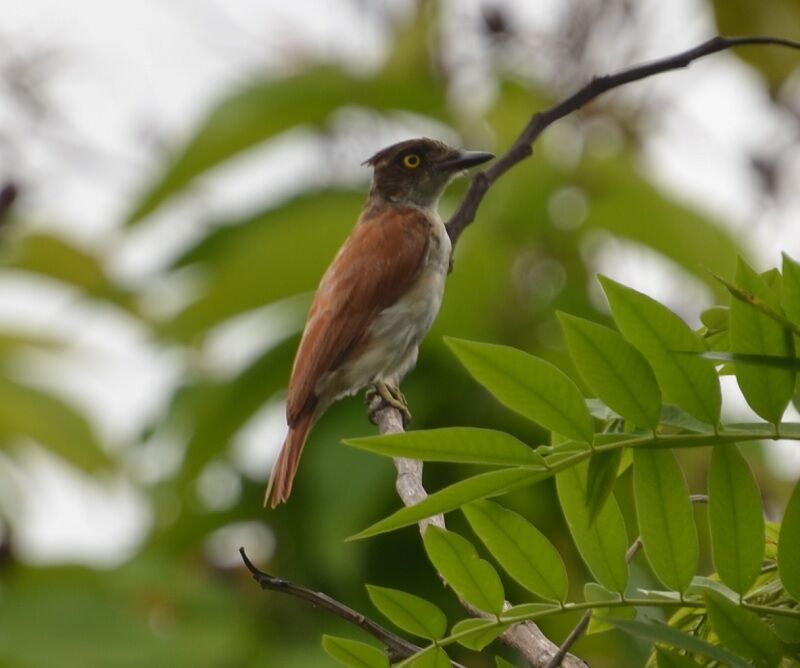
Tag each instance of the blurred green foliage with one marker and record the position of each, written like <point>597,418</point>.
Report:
<point>170,605</point>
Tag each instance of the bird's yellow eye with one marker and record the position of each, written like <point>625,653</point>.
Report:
<point>412,161</point>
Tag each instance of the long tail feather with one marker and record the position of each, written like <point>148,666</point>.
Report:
<point>285,469</point>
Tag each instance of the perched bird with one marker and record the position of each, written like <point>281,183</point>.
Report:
<point>378,298</point>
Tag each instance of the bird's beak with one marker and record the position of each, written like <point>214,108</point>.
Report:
<point>465,160</point>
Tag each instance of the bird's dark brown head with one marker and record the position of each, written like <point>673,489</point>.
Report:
<point>417,171</point>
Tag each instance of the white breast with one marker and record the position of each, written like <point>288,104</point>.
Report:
<point>396,332</point>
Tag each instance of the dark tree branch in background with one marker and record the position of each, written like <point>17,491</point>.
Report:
<point>522,147</point>
<point>398,648</point>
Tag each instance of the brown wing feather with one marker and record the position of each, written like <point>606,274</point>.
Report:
<point>374,268</point>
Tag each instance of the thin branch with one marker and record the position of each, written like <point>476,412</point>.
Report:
<point>522,146</point>
<point>397,647</point>
<point>525,637</point>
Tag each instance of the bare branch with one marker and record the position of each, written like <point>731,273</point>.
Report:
<point>522,146</point>
<point>526,637</point>
<point>398,648</point>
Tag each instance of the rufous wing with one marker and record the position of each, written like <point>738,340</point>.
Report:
<point>377,264</point>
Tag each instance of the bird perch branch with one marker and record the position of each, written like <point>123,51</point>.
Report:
<point>526,637</point>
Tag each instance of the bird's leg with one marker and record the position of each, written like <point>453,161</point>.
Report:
<point>391,396</point>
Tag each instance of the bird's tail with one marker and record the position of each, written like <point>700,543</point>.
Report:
<point>285,468</point>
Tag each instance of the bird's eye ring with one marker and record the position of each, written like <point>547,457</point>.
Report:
<point>412,161</point>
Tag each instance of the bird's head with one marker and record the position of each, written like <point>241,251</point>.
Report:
<point>417,171</point>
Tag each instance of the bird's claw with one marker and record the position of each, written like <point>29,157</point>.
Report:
<point>390,396</point>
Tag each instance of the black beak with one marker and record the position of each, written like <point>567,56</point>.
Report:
<point>465,160</point>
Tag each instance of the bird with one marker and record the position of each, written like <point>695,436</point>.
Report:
<point>378,298</point>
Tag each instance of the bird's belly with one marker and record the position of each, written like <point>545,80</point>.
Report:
<point>390,345</point>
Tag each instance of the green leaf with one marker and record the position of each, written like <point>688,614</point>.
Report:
<point>668,658</point>
<point>663,338</point>
<point>659,632</point>
<point>479,632</point>
<point>456,495</point>
<point>354,654</point>
<point>769,361</point>
<point>453,444</point>
<point>431,658</point>
<point>267,108</point>
<point>528,385</point>
<point>520,548</point>
<point>790,289</point>
<point>601,543</point>
<point>767,390</point>
<point>736,518</point>
<point>666,518</point>
<point>502,663</point>
<point>28,412</point>
<point>408,612</point>
<point>601,478</point>
<point>743,631</point>
<point>595,593</point>
<point>471,577</point>
<point>614,370</point>
<point>789,546</point>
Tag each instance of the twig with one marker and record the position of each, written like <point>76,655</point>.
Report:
<point>397,647</point>
<point>522,146</point>
<point>527,637</point>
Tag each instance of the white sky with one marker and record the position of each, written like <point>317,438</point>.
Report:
<point>119,83</point>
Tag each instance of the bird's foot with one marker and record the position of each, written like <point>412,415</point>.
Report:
<point>390,396</point>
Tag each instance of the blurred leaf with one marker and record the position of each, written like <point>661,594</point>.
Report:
<point>408,612</point>
<point>265,109</point>
<point>776,17</point>
<point>600,481</point>
<point>658,333</point>
<point>254,262</point>
<point>743,631</point>
<point>49,256</point>
<point>614,370</point>
<point>601,543</point>
<point>529,385</point>
<point>479,632</point>
<point>354,654</point>
<point>736,518</point>
<point>453,444</point>
<point>622,197</point>
<point>502,663</point>
<point>223,408</point>
<point>666,518</point>
<point>433,658</point>
<point>716,318</point>
<point>26,411</point>
<point>659,632</point>
<point>456,495</point>
<point>767,390</point>
<point>472,578</point>
<point>789,546</point>
<point>520,548</point>
<point>668,658</point>
<point>12,341</point>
